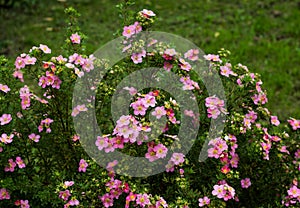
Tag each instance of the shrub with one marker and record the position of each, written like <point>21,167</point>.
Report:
<point>253,161</point>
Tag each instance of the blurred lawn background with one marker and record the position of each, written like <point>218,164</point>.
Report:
<point>262,34</point>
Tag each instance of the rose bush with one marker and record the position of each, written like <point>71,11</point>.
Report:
<point>255,162</point>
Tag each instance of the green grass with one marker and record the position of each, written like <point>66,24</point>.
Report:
<point>264,35</point>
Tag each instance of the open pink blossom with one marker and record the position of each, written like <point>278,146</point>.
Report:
<point>6,139</point>
<point>75,38</point>
<point>20,162</point>
<point>11,166</point>
<point>4,194</point>
<point>245,183</point>
<point>275,121</point>
<point>34,137</point>
<point>64,195</point>
<point>204,201</point>
<point>4,88</point>
<point>159,112</point>
<point>294,123</point>
<point>82,166</point>
<point>147,13</point>
<point>45,48</point>
<point>5,119</point>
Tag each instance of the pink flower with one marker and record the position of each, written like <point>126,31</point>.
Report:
<point>138,27</point>
<point>214,152</point>
<point>18,74</point>
<point>68,184</point>
<point>34,137</point>
<point>147,13</point>
<point>245,183</point>
<point>159,112</point>
<point>4,88</point>
<point>184,65</point>
<point>169,54</point>
<point>219,191</point>
<point>73,202</point>
<point>64,195</point>
<point>19,63</point>
<point>5,119</point>
<point>45,48</point>
<point>294,123</point>
<point>294,192</point>
<point>6,139</point>
<point>29,60</point>
<point>275,121</point>
<point>212,57</point>
<point>11,166</point>
<point>226,70</point>
<point>168,66</point>
<point>151,154</point>
<point>128,31</point>
<point>177,158</point>
<point>82,166</point>
<point>107,200</point>
<point>101,142</point>
<point>4,194</point>
<point>75,38</point>
<point>139,107</point>
<point>149,100</point>
<point>143,200</point>
<point>160,150</point>
<point>283,149</point>
<point>136,58</point>
<point>192,54</point>
<point>204,201</point>
<point>132,90</point>
<point>20,162</point>
<point>24,204</point>
<point>213,113</point>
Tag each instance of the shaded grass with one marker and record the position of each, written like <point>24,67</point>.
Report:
<point>264,35</point>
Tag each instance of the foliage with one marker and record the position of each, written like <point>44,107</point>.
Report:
<point>44,163</point>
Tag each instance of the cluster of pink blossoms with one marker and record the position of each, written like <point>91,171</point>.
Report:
<point>116,187</point>
<point>22,203</point>
<point>23,60</point>
<point>176,159</point>
<point>78,109</point>
<point>214,107</point>
<point>141,105</point>
<point>267,143</point>
<point>223,191</point>
<point>189,84</point>
<point>11,164</point>
<point>293,195</point>
<point>25,97</point>
<point>76,62</point>
<point>66,194</point>
<point>156,151</point>
<point>45,123</point>
<point>220,150</point>
<point>50,80</point>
